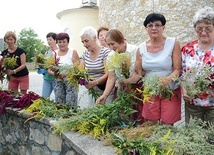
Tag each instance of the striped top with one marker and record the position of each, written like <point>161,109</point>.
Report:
<point>96,67</point>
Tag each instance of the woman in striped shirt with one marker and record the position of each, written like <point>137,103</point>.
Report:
<point>94,59</point>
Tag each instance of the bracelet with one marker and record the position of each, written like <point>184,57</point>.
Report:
<point>96,82</point>
<point>14,71</point>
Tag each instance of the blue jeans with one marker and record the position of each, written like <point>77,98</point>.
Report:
<point>47,88</point>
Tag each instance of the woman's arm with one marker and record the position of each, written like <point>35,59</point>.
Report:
<point>75,57</point>
<point>176,63</point>
<point>109,86</point>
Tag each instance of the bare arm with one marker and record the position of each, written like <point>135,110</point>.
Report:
<point>75,57</point>
<point>176,63</point>
<point>109,86</point>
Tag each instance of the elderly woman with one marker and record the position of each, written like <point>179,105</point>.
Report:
<point>160,56</point>
<point>94,59</point>
<point>194,54</point>
<point>116,42</point>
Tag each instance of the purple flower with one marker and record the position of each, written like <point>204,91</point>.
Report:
<point>82,81</point>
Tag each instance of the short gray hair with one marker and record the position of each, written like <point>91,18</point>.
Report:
<point>205,14</point>
<point>89,31</point>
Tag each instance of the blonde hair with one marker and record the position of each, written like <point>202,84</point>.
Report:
<point>205,14</point>
<point>10,33</point>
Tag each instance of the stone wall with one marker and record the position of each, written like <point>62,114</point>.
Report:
<point>128,16</point>
<point>35,137</point>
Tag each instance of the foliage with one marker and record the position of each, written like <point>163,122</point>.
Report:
<point>121,63</point>
<point>6,98</point>
<point>153,87</point>
<point>7,62</point>
<point>164,139</point>
<point>77,75</point>
<point>43,62</point>
<point>45,108</point>
<point>28,40</point>
<point>198,81</point>
<point>99,120</point>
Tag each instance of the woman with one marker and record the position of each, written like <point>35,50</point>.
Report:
<point>65,92</point>
<point>48,80</point>
<point>160,56</point>
<point>116,42</point>
<point>19,75</point>
<point>194,54</point>
<point>94,59</point>
<point>101,32</point>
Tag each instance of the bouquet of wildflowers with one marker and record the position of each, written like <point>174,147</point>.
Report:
<point>121,63</point>
<point>198,81</point>
<point>7,62</point>
<point>42,62</point>
<point>79,75</point>
<point>153,87</point>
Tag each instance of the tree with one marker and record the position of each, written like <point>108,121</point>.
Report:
<point>28,40</point>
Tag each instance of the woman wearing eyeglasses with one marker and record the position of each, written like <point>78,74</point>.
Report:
<point>160,56</point>
<point>195,54</point>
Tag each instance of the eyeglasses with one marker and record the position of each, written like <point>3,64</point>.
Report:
<point>150,26</point>
<point>206,29</point>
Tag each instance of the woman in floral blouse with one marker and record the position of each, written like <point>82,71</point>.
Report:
<point>195,54</point>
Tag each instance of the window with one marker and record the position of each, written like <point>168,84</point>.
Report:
<point>89,1</point>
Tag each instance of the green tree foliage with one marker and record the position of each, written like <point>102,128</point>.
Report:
<point>28,40</point>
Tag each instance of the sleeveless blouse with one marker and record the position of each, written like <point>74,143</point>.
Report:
<point>159,63</point>
<point>65,60</point>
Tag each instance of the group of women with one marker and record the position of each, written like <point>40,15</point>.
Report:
<point>159,55</point>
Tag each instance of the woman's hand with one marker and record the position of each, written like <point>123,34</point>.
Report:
<point>101,99</point>
<point>10,72</point>
<point>186,97</point>
<point>91,84</point>
<point>165,81</point>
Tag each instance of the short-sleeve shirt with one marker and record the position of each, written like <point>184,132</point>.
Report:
<point>19,51</point>
<point>192,56</point>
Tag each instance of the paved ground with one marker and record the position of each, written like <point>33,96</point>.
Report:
<point>83,98</point>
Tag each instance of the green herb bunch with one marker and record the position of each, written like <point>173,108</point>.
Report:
<point>191,139</point>
<point>197,81</point>
<point>121,63</point>
<point>153,87</point>
<point>99,120</point>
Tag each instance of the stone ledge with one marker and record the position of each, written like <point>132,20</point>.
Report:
<point>69,143</point>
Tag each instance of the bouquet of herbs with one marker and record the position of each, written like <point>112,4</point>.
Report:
<point>153,87</point>
<point>164,139</point>
<point>121,63</point>
<point>77,75</point>
<point>42,62</point>
<point>7,62</point>
<point>99,120</point>
<point>198,81</point>
<point>45,108</point>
